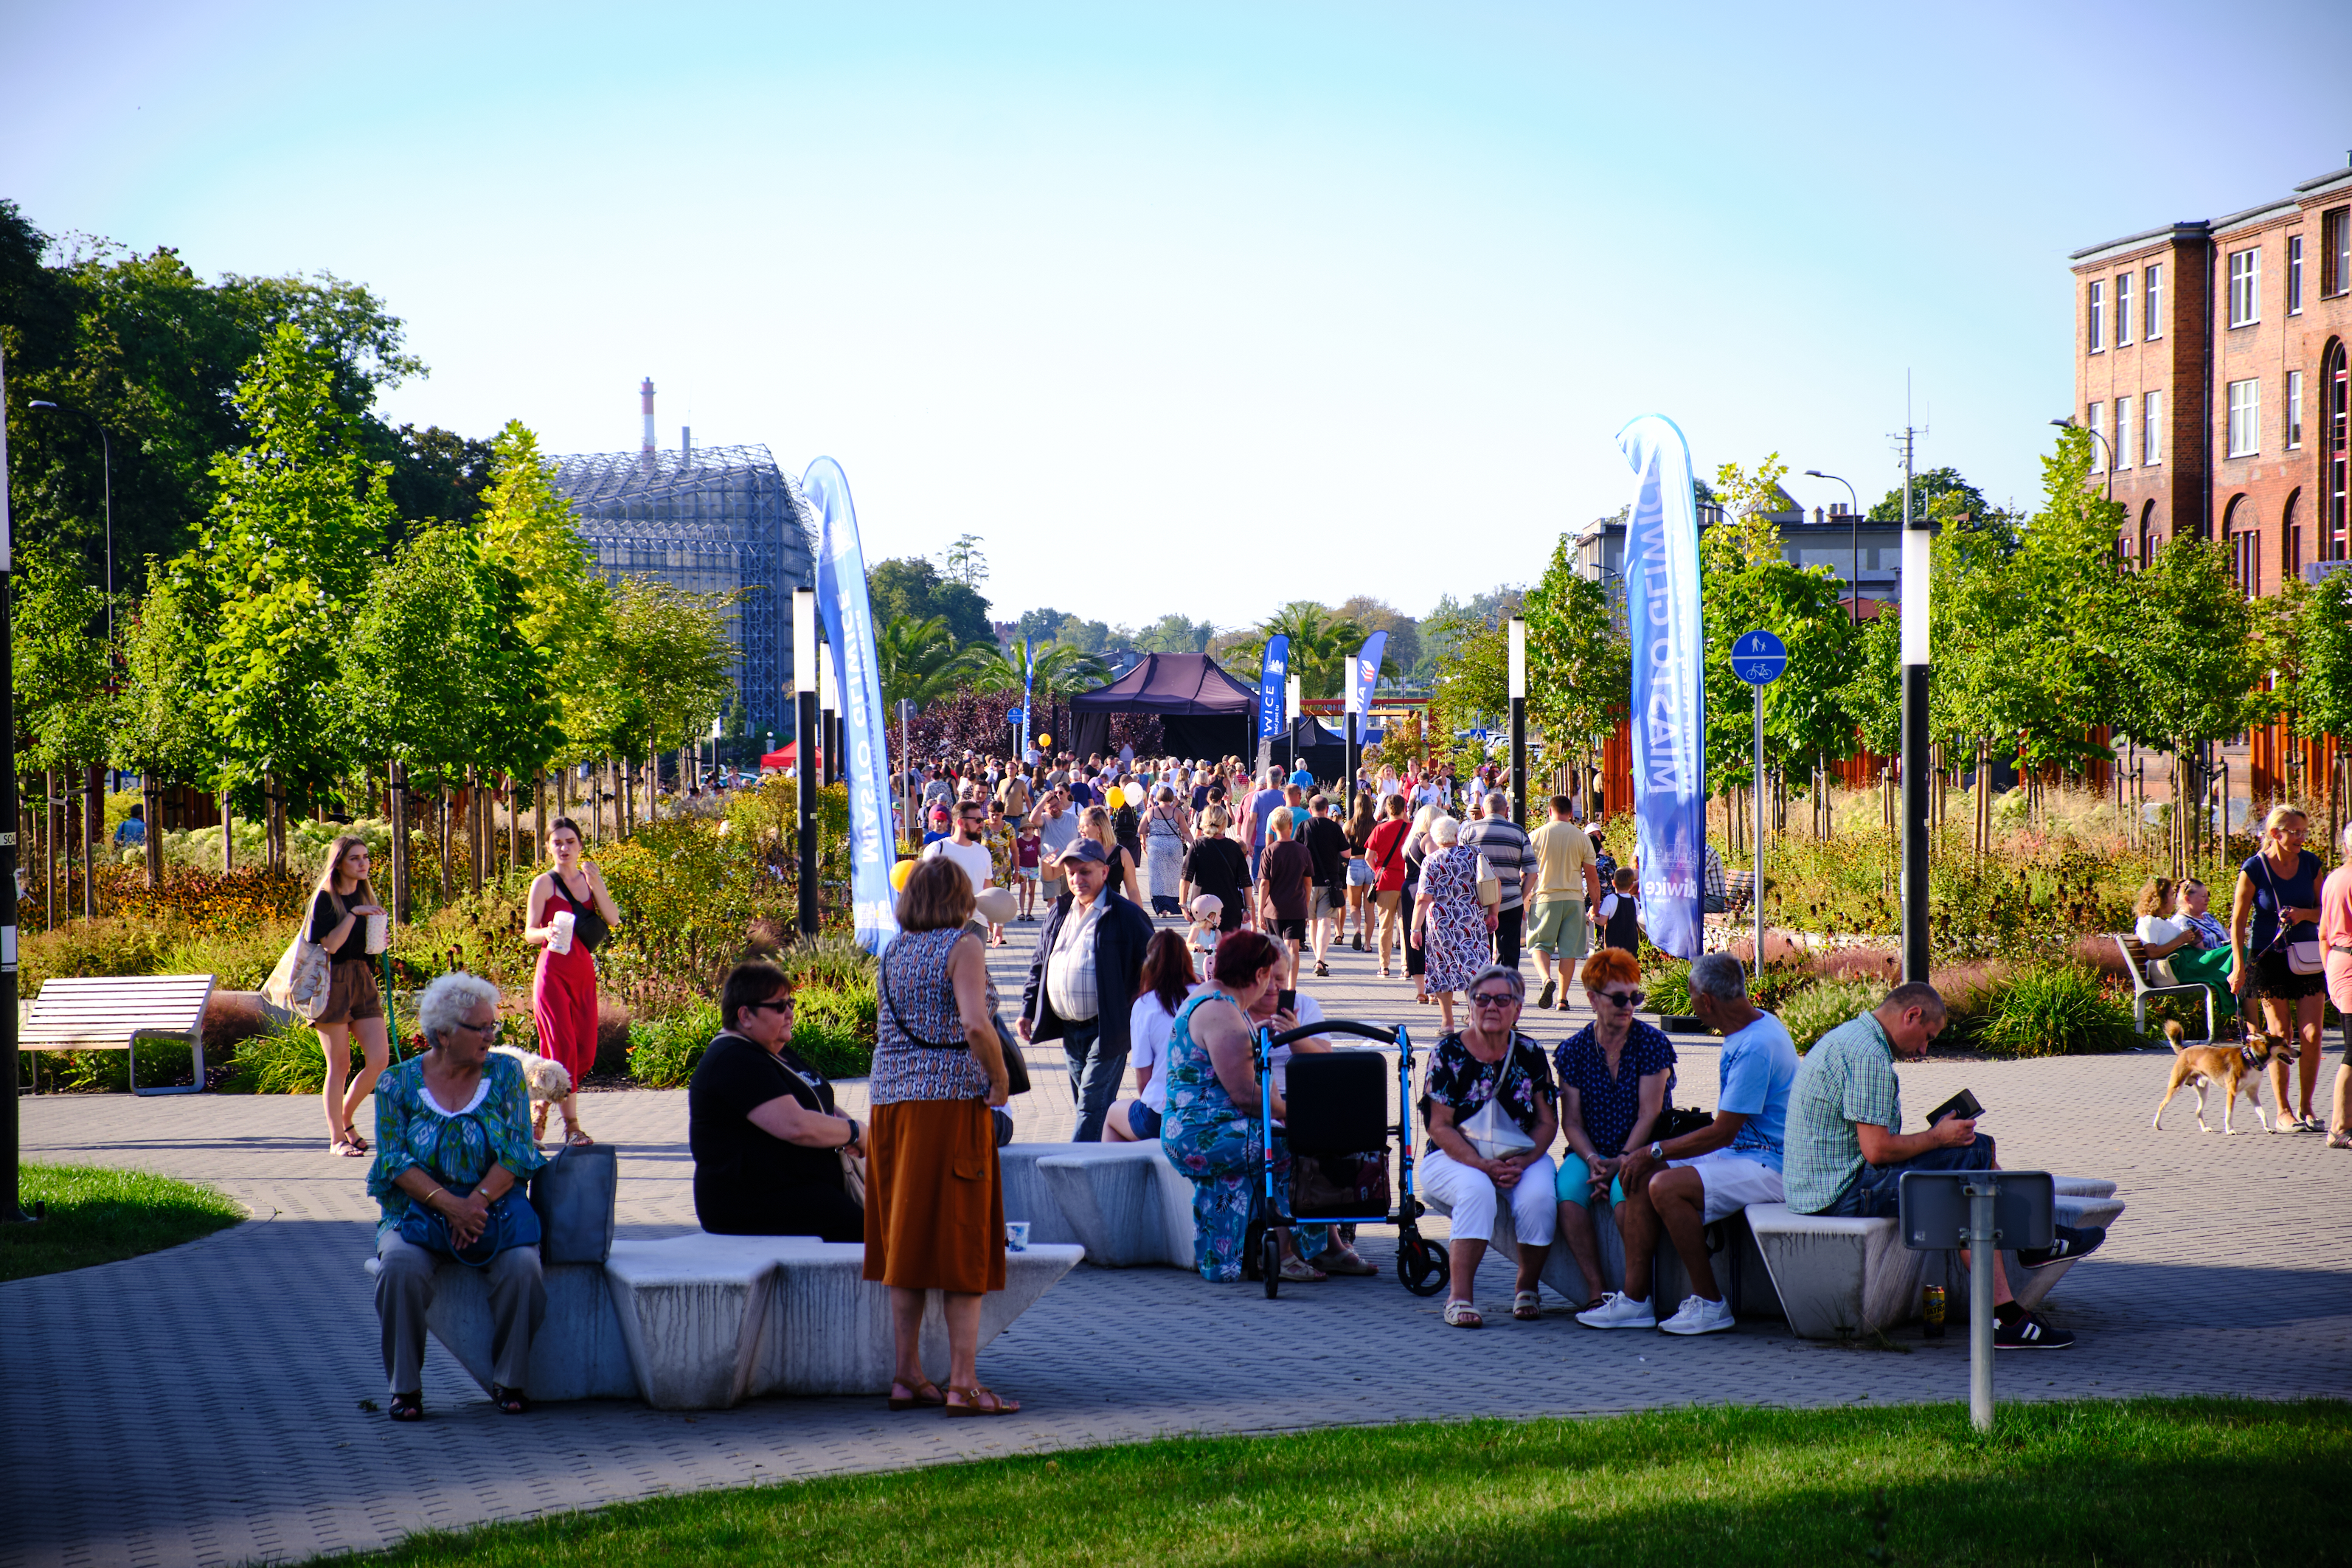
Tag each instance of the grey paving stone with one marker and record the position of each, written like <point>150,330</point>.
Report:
<point>201,1405</point>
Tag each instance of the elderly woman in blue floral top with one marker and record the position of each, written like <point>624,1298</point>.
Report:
<point>1491,1063</point>
<point>1213,1131</point>
<point>453,1145</point>
<point>1614,1078</point>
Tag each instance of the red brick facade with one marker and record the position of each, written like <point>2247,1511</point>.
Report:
<point>2253,316</point>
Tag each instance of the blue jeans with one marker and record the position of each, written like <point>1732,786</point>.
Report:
<point>1874,1192</point>
<point>1095,1072</point>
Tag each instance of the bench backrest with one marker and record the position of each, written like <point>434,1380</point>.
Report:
<point>2135,960</point>
<point>107,1011</point>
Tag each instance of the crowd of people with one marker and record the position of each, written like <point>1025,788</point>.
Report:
<point>1179,903</point>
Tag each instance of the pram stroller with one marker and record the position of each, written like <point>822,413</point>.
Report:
<point>1336,1105</point>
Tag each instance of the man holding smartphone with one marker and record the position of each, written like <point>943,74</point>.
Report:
<point>1847,1152</point>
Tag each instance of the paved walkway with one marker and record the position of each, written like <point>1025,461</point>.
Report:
<point>202,1405</point>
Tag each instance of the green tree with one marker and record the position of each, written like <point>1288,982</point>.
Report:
<point>1321,645</point>
<point>1579,659</point>
<point>670,668</point>
<point>298,516</point>
<point>2327,684</point>
<point>1927,489</point>
<point>1174,634</point>
<point>1403,648</point>
<point>163,735</point>
<point>526,530</point>
<point>966,561</point>
<point>910,585</point>
<point>1039,625</point>
<point>985,667</point>
<point>916,660</point>
<point>59,664</point>
<point>412,667</point>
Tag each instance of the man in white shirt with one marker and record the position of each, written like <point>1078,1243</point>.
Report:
<point>965,848</point>
<point>1083,978</point>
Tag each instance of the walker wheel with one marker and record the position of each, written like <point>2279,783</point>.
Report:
<point>1422,1265</point>
<point>1270,1264</point>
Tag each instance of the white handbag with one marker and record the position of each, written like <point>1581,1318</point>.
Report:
<point>1490,1129</point>
<point>304,975</point>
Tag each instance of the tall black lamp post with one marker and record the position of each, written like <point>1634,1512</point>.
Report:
<point>804,728</point>
<point>1853,509</point>
<point>11,1209</point>
<point>1916,570</point>
<point>1520,719</point>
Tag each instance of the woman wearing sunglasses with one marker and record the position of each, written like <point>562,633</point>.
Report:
<point>1614,1078</point>
<point>1473,1165</point>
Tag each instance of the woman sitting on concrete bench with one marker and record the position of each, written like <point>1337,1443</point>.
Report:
<point>760,1122</point>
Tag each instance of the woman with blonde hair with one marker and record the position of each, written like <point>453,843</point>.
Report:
<point>1095,823</point>
<point>570,912</point>
<point>2275,955</point>
<point>342,918</point>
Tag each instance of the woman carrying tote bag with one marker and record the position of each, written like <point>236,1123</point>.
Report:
<point>346,923</point>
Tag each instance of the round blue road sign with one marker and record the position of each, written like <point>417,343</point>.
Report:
<point>1758,658</point>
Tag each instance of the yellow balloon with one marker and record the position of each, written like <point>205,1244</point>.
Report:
<point>900,873</point>
<point>1114,797</point>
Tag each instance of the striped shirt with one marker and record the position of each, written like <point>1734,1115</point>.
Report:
<point>1848,1076</point>
<point>1507,850</point>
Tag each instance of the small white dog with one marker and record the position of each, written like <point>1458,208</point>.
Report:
<point>550,1084</point>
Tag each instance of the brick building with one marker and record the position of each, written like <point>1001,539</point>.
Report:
<point>2210,357</point>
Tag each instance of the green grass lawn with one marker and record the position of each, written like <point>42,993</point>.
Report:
<point>2188,1481</point>
<point>98,1214</point>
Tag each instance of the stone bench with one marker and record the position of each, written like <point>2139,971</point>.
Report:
<point>1838,1278</point>
<point>702,1321</point>
<point>1125,1203</point>
<point>1739,1269</point>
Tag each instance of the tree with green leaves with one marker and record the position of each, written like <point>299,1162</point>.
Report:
<point>1579,659</point>
<point>967,561</point>
<point>2188,662</point>
<point>910,586</point>
<point>298,517</point>
<point>916,661</point>
<point>1060,669</point>
<point>527,529</point>
<point>1322,642</point>
<point>59,669</point>
<point>670,669</point>
<point>164,737</point>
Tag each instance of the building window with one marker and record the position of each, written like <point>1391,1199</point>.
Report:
<point>2122,309</point>
<point>2154,306</point>
<point>2336,251</point>
<point>2293,410</point>
<point>2122,430</point>
<point>2151,439</point>
<point>2245,288</point>
<point>2147,536</point>
<point>2294,275</point>
<point>2245,419</point>
<point>2097,422</point>
<point>2246,558</point>
<point>2290,542</point>
<point>2098,316</point>
<point>2334,396</point>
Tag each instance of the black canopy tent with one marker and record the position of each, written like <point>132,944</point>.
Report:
<point>1323,748</point>
<point>1203,712</point>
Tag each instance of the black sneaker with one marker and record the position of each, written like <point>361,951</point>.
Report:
<point>2066,1242</point>
<point>1544,998</point>
<point>2029,1333</point>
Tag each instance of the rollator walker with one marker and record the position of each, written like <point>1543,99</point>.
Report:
<point>1336,1105</point>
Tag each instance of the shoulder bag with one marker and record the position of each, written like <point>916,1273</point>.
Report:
<point>305,972</point>
<point>588,927</point>
<point>512,1223</point>
<point>1490,890</point>
<point>1491,1130</point>
<point>1016,1070</point>
<point>574,1195</point>
<point>853,1164</point>
<point>2305,957</point>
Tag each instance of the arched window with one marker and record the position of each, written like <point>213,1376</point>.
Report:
<point>2245,546</point>
<point>2334,406</point>
<point>2291,539</point>
<point>2148,540</point>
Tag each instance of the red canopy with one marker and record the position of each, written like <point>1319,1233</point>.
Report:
<point>788,757</point>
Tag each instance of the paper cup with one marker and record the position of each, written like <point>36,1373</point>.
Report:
<point>561,920</point>
<point>1016,1236</point>
<point>379,932</point>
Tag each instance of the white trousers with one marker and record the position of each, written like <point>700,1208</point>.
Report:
<point>1470,1194</point>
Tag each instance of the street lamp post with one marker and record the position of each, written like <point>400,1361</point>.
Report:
<point>2100,436</point>
<point>1291,710</point>
<point>1854,508</point>
<point>1915,645</point>
<point>805,752</point>
<point>11,1209</point>
<point>1520,719</point>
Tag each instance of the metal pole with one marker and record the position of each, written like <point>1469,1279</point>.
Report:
<point>1757,896</point>
<point>1853,511</point>
<point>1517,672</point>
<point>804,737</point>
<point>11,1209</point>
<point>1914,649</point>
<point>1983,1239</point>
<point>1348,780</point>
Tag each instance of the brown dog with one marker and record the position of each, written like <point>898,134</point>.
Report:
<point>2232,1068</point>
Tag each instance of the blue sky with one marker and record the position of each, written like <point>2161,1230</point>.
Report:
<point>1195,308</point>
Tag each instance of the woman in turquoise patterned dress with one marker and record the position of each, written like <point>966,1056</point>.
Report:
<point>1213,1131</point>
<point>453,1147</point>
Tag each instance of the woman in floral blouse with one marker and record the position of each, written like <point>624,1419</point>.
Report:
<point>453,1145</point>
<point>1449,924</point>
<point>1614,1078</point>
<point>1212,1130</point>
<point>996,833</point>
<point>1491,1062</point>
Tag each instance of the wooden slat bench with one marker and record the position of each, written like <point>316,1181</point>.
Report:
<point>115,1012</point>
<point>2135,965</point>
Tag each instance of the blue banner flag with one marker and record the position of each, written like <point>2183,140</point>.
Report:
<point>1271,681</point>
<point>1365,673</point>
<point>1669,709</point>
<point>849,628</point>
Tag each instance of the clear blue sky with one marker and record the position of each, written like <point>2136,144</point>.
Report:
<point>1201,307</point>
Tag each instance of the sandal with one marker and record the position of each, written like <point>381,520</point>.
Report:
<point>1463,1315</point>
<point>997,1404</point>
<point>923,1395</point>
<point>345,1149</point>
<point>1526,1307</point>
<point>351,1137</point>
<point>408,1406</point>
<point>1345,1260</point>
<point>1297,1271</point>
<point>576,1139</point>
<point>510,1401</point>
<point>2340,1139</point>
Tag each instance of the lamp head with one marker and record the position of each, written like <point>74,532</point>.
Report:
<point>1815,473</point>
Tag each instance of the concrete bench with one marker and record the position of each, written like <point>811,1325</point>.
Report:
<point>1125,1203</point>
<point>702,1321</point>
<point>114,1013</point>
<point>1739,1267</point>
<point>1839,1278</point>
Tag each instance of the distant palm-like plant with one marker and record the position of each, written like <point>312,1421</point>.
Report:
<point>918,660</point>
<point>985,667</point>
<point>1322,643</point>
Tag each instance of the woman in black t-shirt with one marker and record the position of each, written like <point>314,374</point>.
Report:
<point>340,906</point>
<point>762,1125</point>
<point>1216,864</point>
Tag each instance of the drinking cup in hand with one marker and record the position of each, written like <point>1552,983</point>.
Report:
<point>561,921</point>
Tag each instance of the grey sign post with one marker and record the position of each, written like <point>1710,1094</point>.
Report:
<point>1983,1211</point>
<point>1758,659</point>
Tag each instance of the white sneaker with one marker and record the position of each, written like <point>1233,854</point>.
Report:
<point>1618,1310</point>
<point>1699,1315</point>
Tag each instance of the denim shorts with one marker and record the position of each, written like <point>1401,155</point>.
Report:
<point>1874,1193</point>
<point>1142,1120</point>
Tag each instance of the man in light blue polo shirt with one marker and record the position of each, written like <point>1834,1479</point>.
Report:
<point>1686,1184</point>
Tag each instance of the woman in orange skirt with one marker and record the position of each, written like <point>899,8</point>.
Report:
<point>934,1205</point>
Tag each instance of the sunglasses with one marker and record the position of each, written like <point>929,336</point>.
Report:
<point>1490,999</point>
<point>783,1005</point>
<point>1625,998</point>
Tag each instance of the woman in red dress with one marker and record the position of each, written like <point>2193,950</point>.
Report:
<point>563,992</point>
